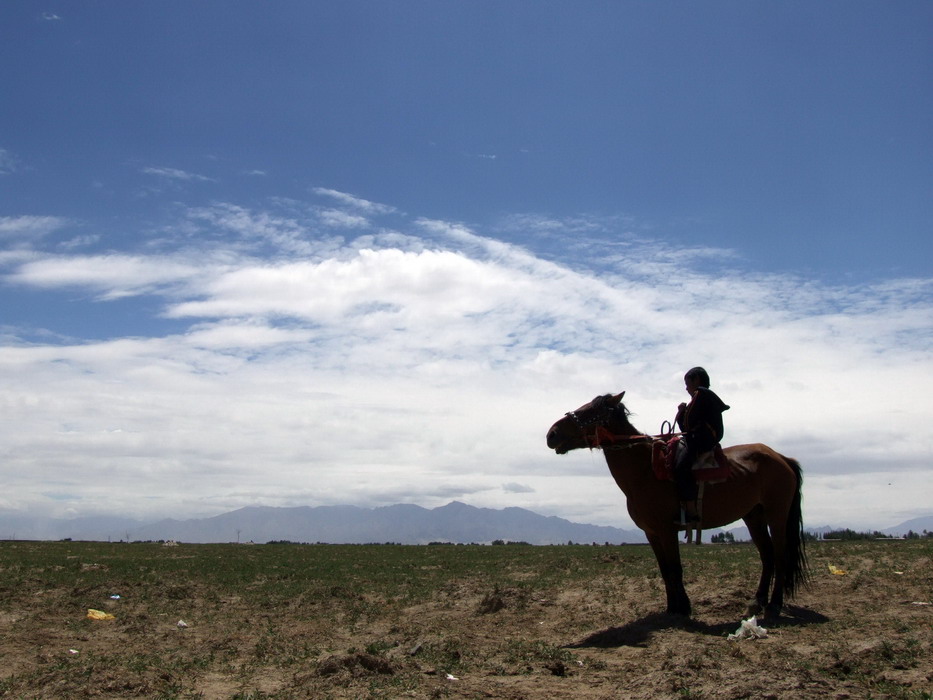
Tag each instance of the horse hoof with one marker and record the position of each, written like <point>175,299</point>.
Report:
<point>772,613</point>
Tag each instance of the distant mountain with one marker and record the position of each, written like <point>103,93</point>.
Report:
<point>406,524</point>
<point>96,528</point>
<point>917,525</point>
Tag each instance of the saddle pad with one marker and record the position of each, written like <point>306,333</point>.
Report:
<point>712,466</point>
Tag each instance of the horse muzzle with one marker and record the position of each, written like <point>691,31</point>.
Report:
<point>555,442</point>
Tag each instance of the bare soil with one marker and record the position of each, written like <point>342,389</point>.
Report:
<point>527,635</point>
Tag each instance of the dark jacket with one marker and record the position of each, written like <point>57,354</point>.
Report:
<point>702,420</point>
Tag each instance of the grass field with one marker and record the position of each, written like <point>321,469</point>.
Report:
<point>387,621</point>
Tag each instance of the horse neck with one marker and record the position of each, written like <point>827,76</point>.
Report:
<point>630,466</point>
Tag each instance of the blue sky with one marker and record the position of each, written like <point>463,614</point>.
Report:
<point>366,252</point>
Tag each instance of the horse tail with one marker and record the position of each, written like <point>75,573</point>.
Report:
<point>796,568</point>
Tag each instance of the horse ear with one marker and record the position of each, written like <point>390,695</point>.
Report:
<point>617,399</point>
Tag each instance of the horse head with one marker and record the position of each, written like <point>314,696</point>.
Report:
<point>579,428</point>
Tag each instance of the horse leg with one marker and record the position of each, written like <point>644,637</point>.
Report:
<point>667,551</point>
<point>758,530</point>
<point>779,538</point>
<point>784,520</point>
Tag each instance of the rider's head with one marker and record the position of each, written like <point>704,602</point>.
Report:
<point>698,376</point>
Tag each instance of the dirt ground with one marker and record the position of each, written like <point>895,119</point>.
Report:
<point>865,631</point>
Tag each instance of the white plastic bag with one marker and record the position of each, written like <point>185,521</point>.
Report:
<point>749,629</point>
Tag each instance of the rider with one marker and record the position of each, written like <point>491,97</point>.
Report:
<point>701,423</point>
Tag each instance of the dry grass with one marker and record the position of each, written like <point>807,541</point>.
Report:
<point>293,621</point>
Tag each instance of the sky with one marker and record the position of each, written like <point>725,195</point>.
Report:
<point>366,253</point>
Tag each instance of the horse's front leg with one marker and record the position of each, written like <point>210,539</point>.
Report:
<point>667,552</point>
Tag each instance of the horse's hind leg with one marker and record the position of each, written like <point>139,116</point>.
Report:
<point>779,544</point>
<point>758,530</point>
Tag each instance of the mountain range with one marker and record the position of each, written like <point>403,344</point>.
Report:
<point>404,524</point>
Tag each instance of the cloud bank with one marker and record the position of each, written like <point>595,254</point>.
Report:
<point>340,351</point>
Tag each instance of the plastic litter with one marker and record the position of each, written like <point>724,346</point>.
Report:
<point>837,571</point>
<point>451,677</point>
<point>182,624</point>
<point>72,651</point>
<point>749,629</point>
<point>93,614</point>
<point>115,597</point>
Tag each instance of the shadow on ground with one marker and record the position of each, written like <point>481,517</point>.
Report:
<point>639,632</point>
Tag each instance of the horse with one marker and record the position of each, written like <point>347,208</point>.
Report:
<point>763,489</point>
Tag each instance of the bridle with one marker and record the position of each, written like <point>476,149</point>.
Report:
<point>601,437</point>
<point>582,423</point>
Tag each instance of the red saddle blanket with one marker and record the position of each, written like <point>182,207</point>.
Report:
<point>711,466</point>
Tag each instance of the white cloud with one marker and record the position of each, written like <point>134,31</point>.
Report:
<point>413,289</point>
<point>354,202</point>
<point>80,242</point>
<point>426,364</point>
<point>229,336</point>
<point>29,227</point>
<point>176,174</point>
<point>286,235</point>
<point>112,276</point>
<point>342,219</point>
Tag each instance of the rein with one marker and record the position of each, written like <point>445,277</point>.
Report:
<point>603,438</point>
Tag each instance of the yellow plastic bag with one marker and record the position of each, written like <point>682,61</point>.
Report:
<point>93,614</point>
<point>837,571</point>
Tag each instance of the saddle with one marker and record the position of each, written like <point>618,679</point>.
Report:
<point>710,466</point>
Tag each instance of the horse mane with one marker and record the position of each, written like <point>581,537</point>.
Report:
<point>618,415</point>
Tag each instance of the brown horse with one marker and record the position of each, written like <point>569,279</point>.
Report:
<point>763,490</point>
